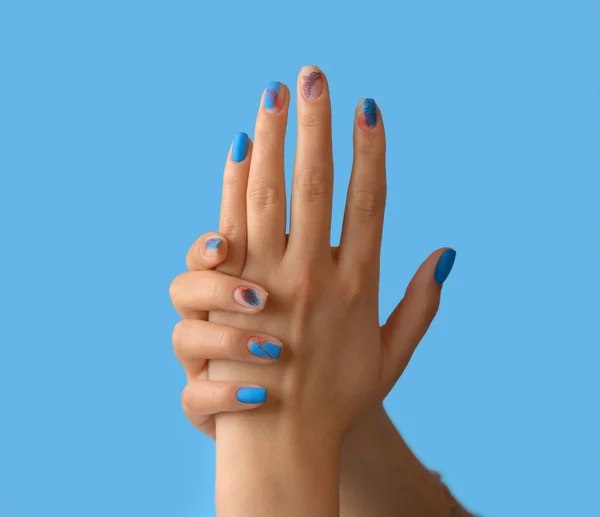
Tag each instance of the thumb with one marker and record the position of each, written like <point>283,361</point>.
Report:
<point>411,318</point>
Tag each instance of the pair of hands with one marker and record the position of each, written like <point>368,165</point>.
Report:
<point>289,315</point>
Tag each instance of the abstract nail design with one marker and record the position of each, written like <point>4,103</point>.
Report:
<point>367,113</point>
<point>444,266</point>
<point>262,348</point>
<point>312,85</point>
<point>252,395</point>
<point>211,245</point>
<point>240,147</point>
<point>272,97</point>
<point>249,297</point>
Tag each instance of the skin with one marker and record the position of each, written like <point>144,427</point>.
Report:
<point>321,443</point>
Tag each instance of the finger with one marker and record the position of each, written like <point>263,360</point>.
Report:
<point>196,341</point>
<point>365,203</point>
<point>233,225</point>
<point>202,399</point>
<point>207,252</point>
<point>195,291</point>
<point>408,323</point>
<point>310,223</point>
<point>266,185</point>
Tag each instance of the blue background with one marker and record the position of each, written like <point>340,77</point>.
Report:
<point>115,121</point>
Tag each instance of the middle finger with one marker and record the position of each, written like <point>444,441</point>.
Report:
<point>310,226</point>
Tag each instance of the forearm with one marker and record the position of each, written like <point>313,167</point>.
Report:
<point>268,468</point>
<point>380,476</point>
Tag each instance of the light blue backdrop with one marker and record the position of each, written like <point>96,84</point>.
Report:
<point>115,120</point>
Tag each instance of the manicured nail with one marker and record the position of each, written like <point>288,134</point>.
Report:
<point>444,266</point>
<point>249,297</point>
<point>273,98</point>
<point>367,113</point>
<point>252,395</point>
<point>211,245</point>
<point>312,82</point>
<point>240,147</point>
<point>263,348</point>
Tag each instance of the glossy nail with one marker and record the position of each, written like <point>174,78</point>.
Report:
<point>311,79</point>
<point>273,101</point>
<point>263,348</point>
<point>252,395</point>
<point>250,297</point>
<point>240,147</point>
<point>367,114</point>
<point>444,266</point>
<point>211,246</point>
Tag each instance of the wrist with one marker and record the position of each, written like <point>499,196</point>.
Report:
<point>267,465</point>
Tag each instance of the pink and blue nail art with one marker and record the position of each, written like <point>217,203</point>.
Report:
<point>262,348</point>
<point>367,114</point>
<point>211,245</point>
<point>249,297</point>
<point>273,97</point>
<point>312,85</point>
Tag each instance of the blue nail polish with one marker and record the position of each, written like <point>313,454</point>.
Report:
<point>252,395</point>
<point>444,266</point>
<point>240,147</point>
<point>264,349</point>
<point>272,98</point>
<point>212,244</point>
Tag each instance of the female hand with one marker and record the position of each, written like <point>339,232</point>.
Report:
<point>196,341</point>
<point>323,301</point>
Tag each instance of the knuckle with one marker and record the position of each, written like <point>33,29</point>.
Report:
<point>310,119</point>
<point>264,195</point>
<point>230,225</point>
<point>367,203</point>
<point>188,401</point>
<point>311,183</point>
<point>175,288</point>
<point>180,338</point>
<point>371,145</point>
<point>354,290</point>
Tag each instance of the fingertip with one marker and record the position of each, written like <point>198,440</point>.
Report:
<point>207,252</point>
<point>252,395</point>
<point>444,265</point>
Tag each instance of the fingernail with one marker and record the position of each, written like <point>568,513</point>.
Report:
<point>252,395</point>
<point>240,147</point>
<point>367,113</point>
<point>263,348</point>
<point>444,266</point>
<point>249,297</point>
<point>312,82</point>
<point>273,98</point>
<point>210,246</point>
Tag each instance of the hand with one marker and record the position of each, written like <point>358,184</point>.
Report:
<point>323,302</point>
<point>303,276</point>
<point>196,340</point>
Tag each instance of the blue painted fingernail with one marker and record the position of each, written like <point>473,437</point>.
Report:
<point>252,395</point>
<point>211,245</point>
<point>240,147</point>
<point>367,114</point>
<point>444,266</point>
<point>272,97</point>
<point>263,348</point>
